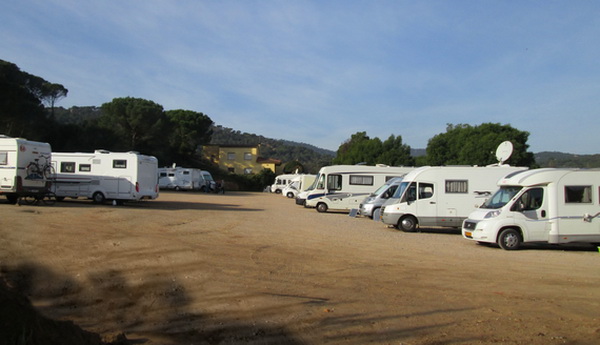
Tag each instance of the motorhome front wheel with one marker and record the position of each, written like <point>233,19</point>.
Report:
<point>408,224</point>
<point>322,207</point>
<point>509,239</point>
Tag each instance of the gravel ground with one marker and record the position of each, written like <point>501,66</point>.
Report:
<point>192,268</point>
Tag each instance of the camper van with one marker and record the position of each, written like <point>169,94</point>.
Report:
<point>541,205</point>
<point>298,184</point>
<point>371,206</point>
<point>441,196</point>
<point>281,181</point>
<point>25,167</point>
<point>104,175</point>
<point>178,178</point>
<point>343,187</point>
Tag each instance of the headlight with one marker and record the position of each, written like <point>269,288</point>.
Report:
<point>492,214</point>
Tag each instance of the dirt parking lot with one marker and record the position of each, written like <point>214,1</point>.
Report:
<point>193,268</point>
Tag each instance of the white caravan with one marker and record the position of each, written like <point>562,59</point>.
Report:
<point>441,196</point>
<point>298,184</point>
<point>179,178</point>
<point>104,175</point>
<point>371,206</point>
<point>540,205</point>
<point>24,167</point>
<point>343,187</point>
<point>281,181</point>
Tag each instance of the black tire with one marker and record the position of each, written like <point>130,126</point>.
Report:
<point>290,195</point>
<point>98,198</point>
<point>29,199</point>
<point>509,239</point>
<point>321,207</point>
<point>408,224</point>
<point>12,199</point>
<point>49,199</point>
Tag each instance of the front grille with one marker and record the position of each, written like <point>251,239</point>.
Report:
<point>469,225</point>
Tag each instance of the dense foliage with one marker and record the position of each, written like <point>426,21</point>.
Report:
<point>476,145</point>
<point>362,149</point>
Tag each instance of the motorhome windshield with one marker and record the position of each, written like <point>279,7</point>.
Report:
<point>501,197</point>
<point>400,190</point>
<point>380,190</point>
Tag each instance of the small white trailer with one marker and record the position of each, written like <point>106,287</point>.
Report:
<point>343,187</point>
<point>25,167</point>
<point>104,175</point>
<point>179,178</point>
<point>298,184</point>
<point>441,196</point>
<point>541,205</point>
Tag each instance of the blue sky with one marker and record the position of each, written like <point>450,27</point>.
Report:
<point>319,71</point>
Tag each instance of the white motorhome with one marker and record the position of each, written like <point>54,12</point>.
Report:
<point>371,206</point>
<point>298,184</point>
<point>209,182</point>
<point>281,181</point>
<point>441,196</point>
<point>104,175</point>
<point>343,187</point>
<point>541,205</point>
<point>24,167</point>
<point>179,178</point>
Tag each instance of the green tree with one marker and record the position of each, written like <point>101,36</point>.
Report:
<point>188,129</point>
<point>476,145</point>
<point>291,167</point>
<point>140,125</point>
<point>21,110</point>
<point>362,149</point>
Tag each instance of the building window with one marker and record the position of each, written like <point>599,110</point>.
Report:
<point>578,194</point>
<point>231,170</point>
<point>361,180</point>
<point>119,163</point>
<point>85,167</point>
<point>457,186</point>
<point>231,156</point>
<point>67,167</point>
<point>247,156</point>
<point>247,171</point>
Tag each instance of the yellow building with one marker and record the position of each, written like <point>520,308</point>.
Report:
<point>242,160</point>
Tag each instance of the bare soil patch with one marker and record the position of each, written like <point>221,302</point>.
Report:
<point>192,268</point>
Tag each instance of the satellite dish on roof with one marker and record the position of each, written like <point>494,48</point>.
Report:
<point>504,151</point>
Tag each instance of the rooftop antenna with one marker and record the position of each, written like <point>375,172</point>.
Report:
<point>503,152</point>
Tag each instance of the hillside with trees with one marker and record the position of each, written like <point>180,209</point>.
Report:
<point>28,109</point>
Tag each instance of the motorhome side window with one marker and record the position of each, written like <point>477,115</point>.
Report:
<point>3,158</point>
<point>334,182</point>
<point>425,190</point>
<point>361,180</point>
<point>85,167</point>
<point>530,200</point>
<point>67,167</point>
<point>186,172</point>
<point>457,186</point>
<point>163,174</point>
<point>120,164</point>
<point>578,194</point>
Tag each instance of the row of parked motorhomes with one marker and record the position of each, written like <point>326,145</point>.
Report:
<point>31,168</point>
<point>498,204</point>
